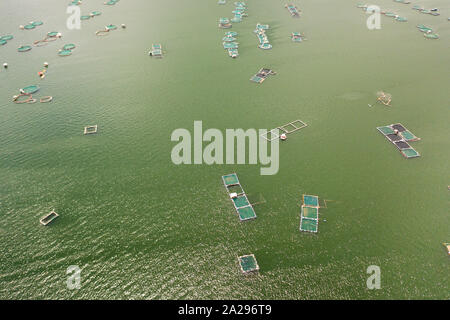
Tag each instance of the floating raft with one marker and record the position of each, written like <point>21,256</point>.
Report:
<point>156,51</point>
<point>248,263</point>
<point>237,195</point>
<point>292,10</point>
<point>309,214</point>
<point>262,74</point>
<point>45,220</point>
<point>398,135</point>
<point>90,129</point>
<point>287,128</point>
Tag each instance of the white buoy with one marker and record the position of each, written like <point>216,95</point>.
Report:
<point>5,65</point>
<point>123,26</point>
<point>21,27</point>
<point>59,35</point>
<point>283,137</point>
<point>395,131</point>
<point>46,64</point>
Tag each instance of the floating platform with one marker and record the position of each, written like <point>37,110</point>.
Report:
<point>248,263</point>
<point>48,218</point>
<point>399,136</point>
<point>309,213</point>
<point>287,128</point>
<point>90,129</point>
<point>237,195</point>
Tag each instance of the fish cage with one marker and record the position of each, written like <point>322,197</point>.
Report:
<point>248,264</point>
<point>309,213</point>
<point>156,51</point>
<point>293,10</point>
<point>241,204</point>
<point>48,218</point>
<point>287,128</point>
<point>398,135</point>
<point>310,201</point>
<point>90,129</point>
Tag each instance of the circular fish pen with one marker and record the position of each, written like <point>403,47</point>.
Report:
<point>69,46</point>
<point>7,37</point>
<point>64,53</point>
<point>431,36</point>
<point>40,43</point>
<point>46,99</point>
<point>102,32</point>
<point>52,34</point>
<point>17,99</point>
<point>24,48</point>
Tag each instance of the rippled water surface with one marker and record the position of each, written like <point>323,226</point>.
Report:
<point>141,227</point>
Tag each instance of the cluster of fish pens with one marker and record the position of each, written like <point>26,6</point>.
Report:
<point>262,37</point>
<point>398,135</point>
<point>427,31</point>
<point>245,211</point>
<point>230,44</point>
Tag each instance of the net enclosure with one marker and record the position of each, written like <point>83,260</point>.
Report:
<point>241,204</point>
<point>248,263</point>
<point>400,137</point>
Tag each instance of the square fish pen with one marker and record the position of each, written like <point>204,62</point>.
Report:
<point>287,128</point>
<point>309,214</point>
<point>248,263</point>
<point>292,10</point>
<point>262,74</point>
<point>156,51</point>
<point>48,218</point>
<point>241,204</point>
<point>399,136</point>
<point>310,201</point>
<point>309,225</point>
<point>90,129</point>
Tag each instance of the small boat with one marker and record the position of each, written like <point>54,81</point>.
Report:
<point>45,220</point>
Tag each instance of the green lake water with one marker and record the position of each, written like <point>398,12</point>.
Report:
<point>141,227</point>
